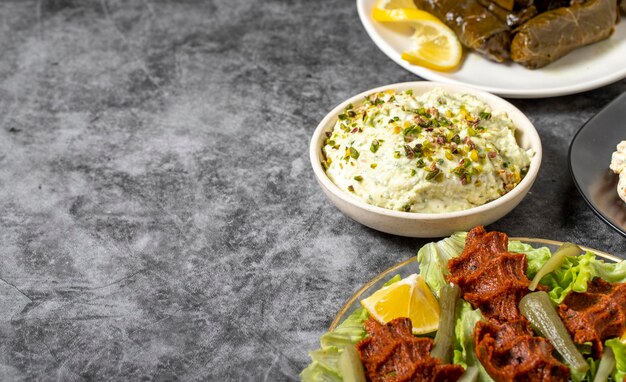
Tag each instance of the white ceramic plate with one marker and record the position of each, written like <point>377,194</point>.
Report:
<point>584,69</point>
<point>411,265</point>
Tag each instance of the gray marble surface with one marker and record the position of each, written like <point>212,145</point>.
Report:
<point>159,217</point>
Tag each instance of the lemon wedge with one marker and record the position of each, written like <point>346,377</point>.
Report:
<point>409,297</point>
<point>399,11</point>
<point>395,4</point>
<point>434,45</point>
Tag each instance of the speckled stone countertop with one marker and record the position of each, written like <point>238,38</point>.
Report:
<point>159,217</point>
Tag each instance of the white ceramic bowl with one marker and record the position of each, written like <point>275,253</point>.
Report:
<point>421,224</point>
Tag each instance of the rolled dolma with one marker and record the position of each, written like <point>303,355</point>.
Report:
<point>551,35</point>
<point>476,27</point>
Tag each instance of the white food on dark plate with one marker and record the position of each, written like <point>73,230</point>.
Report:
<point>618,166</point>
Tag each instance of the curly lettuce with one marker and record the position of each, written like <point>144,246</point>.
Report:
<point>324,366</point>
<point>619,349</point>
<point>575,273</point>
<point>464,348</point>
<point>433,259</point>
<point>536,257</point>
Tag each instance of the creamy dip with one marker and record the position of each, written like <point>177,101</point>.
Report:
<point>618,165</point>
<point>430,153</point>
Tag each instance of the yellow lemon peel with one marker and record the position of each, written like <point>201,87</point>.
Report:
<point>409,297</point>
<point>435,45</point>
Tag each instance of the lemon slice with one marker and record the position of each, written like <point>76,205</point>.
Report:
<point>435,46</point>
<point>399,11</point>
<point>409,297</point>
<point>395,4</point>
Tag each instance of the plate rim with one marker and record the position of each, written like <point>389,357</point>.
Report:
<point>430,75</point>
<point>346,306</point>
<point>591,205</point>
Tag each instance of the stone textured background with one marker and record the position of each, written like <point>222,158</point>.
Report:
<point>158,216</point>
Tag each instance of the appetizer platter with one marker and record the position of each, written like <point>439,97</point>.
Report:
<point>590,155</point>
<point>428,159</point>
<point>576,45</point>
<point>479,306</point>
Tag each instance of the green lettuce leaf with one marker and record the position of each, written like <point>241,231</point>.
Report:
<point>611,272</point>
<point>576,272</point>
<point>349,332</point>
<point>317,372</point>
<point>536,256</point>
<point>433,259</point>
<point>619,349</point>
<point>464,350</point>
<point>324,361</point>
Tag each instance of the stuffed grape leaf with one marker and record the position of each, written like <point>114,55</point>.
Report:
<point>552,34</point>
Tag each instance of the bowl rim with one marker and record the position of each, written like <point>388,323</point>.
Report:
<point>522,123</point>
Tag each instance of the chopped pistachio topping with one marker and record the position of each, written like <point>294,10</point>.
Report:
<point>354,153</point>
<point>441,152</point>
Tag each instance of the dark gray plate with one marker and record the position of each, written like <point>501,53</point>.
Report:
<point>589,158</point>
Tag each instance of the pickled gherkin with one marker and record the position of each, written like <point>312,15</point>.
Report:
<point>449,295</point>
<point>538,309</point>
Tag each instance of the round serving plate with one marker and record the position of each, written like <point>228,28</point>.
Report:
<point>410,266</point>
<point>585,68</point>
<point>589,158</point>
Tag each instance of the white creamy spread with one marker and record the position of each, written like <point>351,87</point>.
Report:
<point>430,153</point>
<point>618,166</point>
